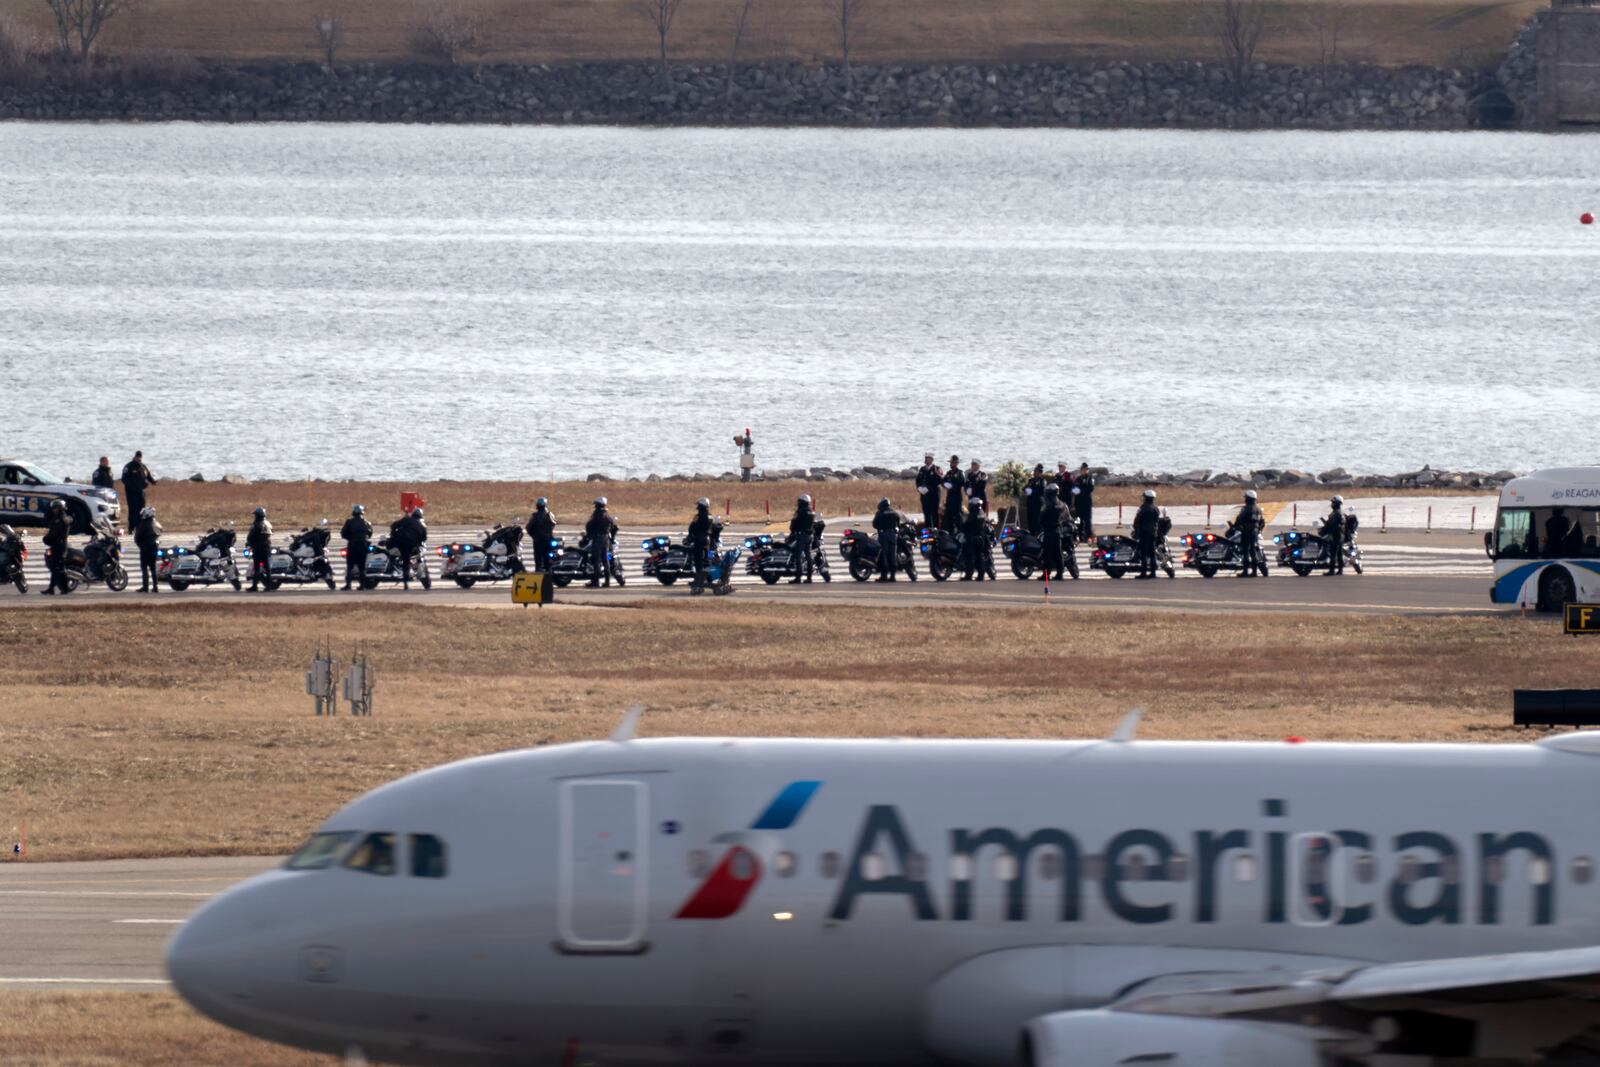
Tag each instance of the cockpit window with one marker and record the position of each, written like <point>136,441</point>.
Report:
<point>320,850</point>
<point>375,855</point>
<point>427,856</point>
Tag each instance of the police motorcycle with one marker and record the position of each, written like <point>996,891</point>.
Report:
<point>1305,552</point>
<point>495,560</point>
<point>568,565</point>
<point>667,560</point>
<point>305,560</point>
<point>13,553</point>
<point>99,560</point>
<point>1209,553</point>
<point>1117,555</point>
<point>860,551</point>
<point>717,575</point>
<point>1025,550</point>
<point>209,562</point>
<point>386,563</point>
<point>771,558</point>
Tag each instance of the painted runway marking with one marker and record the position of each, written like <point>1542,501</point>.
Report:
<point>84,981</point>
<point>105,893</point>
<point>149,922</point>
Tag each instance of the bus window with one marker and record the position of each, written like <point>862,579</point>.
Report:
<point>375,855</point>
<point>427,856</point>
<point>1512,532</point>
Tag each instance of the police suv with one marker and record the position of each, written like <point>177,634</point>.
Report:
<point>26,493</point>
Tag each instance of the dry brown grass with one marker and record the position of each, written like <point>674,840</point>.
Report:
<point>192,505</point>
<point>184,729</point>
<point>1394,33</point>
<point>123,1029</point>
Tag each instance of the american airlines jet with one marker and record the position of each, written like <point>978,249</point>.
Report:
<point>996,903</point>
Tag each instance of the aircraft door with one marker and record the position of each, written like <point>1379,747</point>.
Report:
<point>603,880</point>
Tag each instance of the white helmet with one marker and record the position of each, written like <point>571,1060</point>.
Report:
<point>1249,494</point>
<point>1337,499</point>
<point>541,502</point>
<point>1149,494</point>
<point>599,501</point>
<point>147,513</point>
<point>703,502</point>
<point>805,498</point>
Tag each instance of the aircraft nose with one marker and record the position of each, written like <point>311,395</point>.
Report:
<point>202,960</point>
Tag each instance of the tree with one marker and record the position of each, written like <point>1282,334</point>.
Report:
<point>1328,20</point>
<point>329,25</point>
<point>448,31</point>
<point>849,11</point>
<point>79,22</point>
<point>1236,26</point>
<point>739,24</point>
<point>660,13</point>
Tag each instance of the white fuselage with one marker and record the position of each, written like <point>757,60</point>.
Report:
<point>780,901</point>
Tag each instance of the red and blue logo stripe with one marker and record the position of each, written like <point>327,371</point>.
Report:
<point>736,874</point>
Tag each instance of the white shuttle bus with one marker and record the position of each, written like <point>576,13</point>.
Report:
<point>1544,543</point>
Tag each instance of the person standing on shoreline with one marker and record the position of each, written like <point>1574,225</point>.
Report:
<point>929,480</point>
<point>136,478</point>
<point>103,477</point>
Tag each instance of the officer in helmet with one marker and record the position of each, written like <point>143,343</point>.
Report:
<point>541,531</point>
<point>409,533</point>
<point>259,541</point>
<point>598,532</point>
<point>1052,517</point>
<point>55,548</point>
<point>698,541</point>
<point>1248,524</point>
<point>801,528</point>
<point>1333,535</point>
<point>886,524</point>
<point>147,535</point>
<point>357,534</point>
<point>955,487</point>
<point>1146,527</point>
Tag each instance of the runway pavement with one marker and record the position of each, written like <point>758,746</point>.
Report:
<point>1407,571</point>
<point>102,924</point>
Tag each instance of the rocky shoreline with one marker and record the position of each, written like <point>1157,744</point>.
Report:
<point>1105,94</point>
<point>1264,478</point>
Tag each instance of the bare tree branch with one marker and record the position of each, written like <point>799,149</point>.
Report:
<point>739,23</point>
<point>329,25</point>
<point>849,11</point>
<point>1237,27</point>
<point>660,13</point>
<point>79,22</point>
<point>449,30</point>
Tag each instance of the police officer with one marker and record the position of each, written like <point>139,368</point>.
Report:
<point>978,557</point>
<point>1146,524</point>
<point>55,548</point>
<point>409,533</point>
<point>1556,530</point>
<point>541,531</point>
<point>1333,536</point>
<point>357,534</point>
<point>978,487</point>
<point>103,478</point>
<point>886,524</point>
<point>147,535</point>
<point>598,530</point>
<point>136,478</point>
<point>1033,498</point>
<point>1051,519</point>
<point>259,541</point>
<point>1084,503</point>
<point>954,486</point>
<point>1248,524</point>
<point>930,480</point>
<point>698,541</point>
<point>801,528</point>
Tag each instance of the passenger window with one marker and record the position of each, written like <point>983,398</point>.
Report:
<point>320,851</point>
<point>872,866</point>
<point>1244,868</point>
<point>961,867</point>
<point>1050,865</point>
<point>828,865</point>
<point>1178,868</point>
<point>1583,870</point>
<point>1366,868</point>
<point>375,855</point>
<point>427,856</point>
<point>785,864</point>
<point>699,863</point>
<point>916,866</point>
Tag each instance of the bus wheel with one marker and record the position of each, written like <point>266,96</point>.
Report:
<point>1556,589</point>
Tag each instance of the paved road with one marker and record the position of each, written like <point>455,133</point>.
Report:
<point>1407,571</point>
<point>102,924</point>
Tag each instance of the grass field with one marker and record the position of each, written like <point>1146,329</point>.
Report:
<point>193,505</point>
<point>185,729</point>
<point>1387,32</point>
<point>127,1030</point>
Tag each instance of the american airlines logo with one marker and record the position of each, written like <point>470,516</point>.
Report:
<point>735,876</point>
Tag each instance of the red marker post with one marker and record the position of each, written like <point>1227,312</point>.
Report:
<point>1587,218</point>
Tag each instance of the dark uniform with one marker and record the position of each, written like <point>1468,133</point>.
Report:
<point>147,535</point>
<point>978,490</point>
<point>357,534</point>
<point>1084,483</point>
<point>977,553</point>
<point>930,480</point>
<point>954,486</point>
<point>259,541</point>
<point>698,541</point>
<point>103,478</point>
<point>1249,523</point>
<point>598,530</point>
<point>409,533</point>
<point>1146,527</point>
<point>886,524</point>
<point>801,530</point>
<point>136,478</point>
<point>1556,529</point>
<point>541,531</point>
<point>1033,498</point>
<point>1333,534</point>
<point>55,550</point>
<point>1051,518</point>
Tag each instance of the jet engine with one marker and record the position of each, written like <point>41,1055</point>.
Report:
<point>1109,1038</point>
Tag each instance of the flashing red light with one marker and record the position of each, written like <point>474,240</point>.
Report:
<point>1295,740</point>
